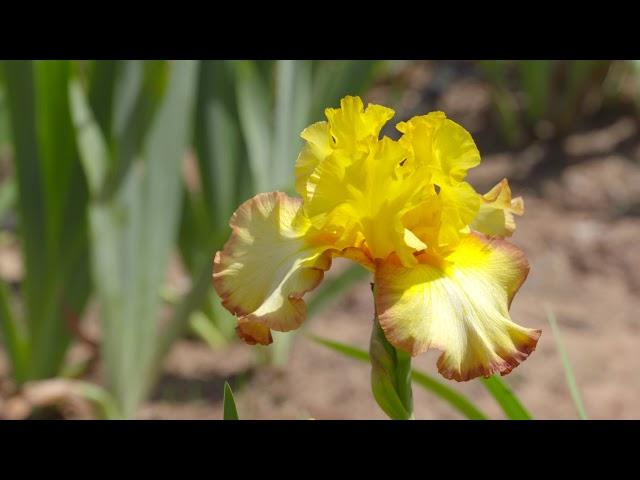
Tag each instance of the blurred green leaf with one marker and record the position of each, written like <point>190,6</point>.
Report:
<point>207,330</point>
<point>217,140</point>
<point>513,409</point>
<point>566,364</point>
<point>535,76</point>
<point>292,105</point>
<point>255,119</point>
<point>229,404</point>
<point>91,143</point>
<point>102,400</point>
<point>13,337</point>
<point>455,399</point>
<point>504,101</point>
<point>344,349</point>
<point>103,76</point>
<point>4,115</point>
<point>21,101</point>
<point>8,196</point>
<point>133,232</point>
<point>337,78</point>
<point>52,198</point>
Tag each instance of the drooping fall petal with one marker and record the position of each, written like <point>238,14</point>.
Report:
<point>497,209</point>
<point>458,304</point>
<point>267,265</point>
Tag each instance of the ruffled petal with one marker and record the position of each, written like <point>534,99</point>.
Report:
<point>495,216</point>
<point>352,126</point>
<point>364,199</point>
<point>445,148</point>
<point>253,333</point>
<point>318,146</point>
<point>459,304</point>
<point>442,219</point>
<point>267,265</point>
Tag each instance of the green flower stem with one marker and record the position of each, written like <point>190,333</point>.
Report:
<point>390,376</point>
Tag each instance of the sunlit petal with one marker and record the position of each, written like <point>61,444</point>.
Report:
<point>495,216</point>
<point>441,145</point>
<point>458,304</point>
<point>268,264</point>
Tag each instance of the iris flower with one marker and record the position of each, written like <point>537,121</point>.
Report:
<point>444,276</point>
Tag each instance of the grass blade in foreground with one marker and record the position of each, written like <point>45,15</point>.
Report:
<point>453,398</point>
<point>230,412</point>
<point>566,364</point>
<point>513,409</point>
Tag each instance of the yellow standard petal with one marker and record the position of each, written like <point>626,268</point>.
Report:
<point>267,265</point>
<point>442,152</point>
<point>445,148</point>
<point>351,129</point>
<point>459,304</point>
<point>495,217</point>
<point>362,200</point>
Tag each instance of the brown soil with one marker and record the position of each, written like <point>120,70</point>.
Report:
<point>580,233</point>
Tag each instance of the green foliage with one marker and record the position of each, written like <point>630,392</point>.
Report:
<point>512,407</point>
<point>98,151</point>
<point>566,365</point>
<point>136,190</point>
<point>52,195</point>
<point>230,412</point>
<point>528,93</point>
<point>390,376</point>
<point>457,401</point>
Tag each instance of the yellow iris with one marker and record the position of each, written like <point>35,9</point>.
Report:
<point>444,276</point>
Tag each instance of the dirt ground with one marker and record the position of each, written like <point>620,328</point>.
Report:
<point>580,232</point>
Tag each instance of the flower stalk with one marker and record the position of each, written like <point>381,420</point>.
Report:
<point>390,375</point>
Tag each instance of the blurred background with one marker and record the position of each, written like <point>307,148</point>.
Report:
<point>117,179</point>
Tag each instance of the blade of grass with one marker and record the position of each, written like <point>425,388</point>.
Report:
<point>504,101</point>
<point>566,364</point>
<point>8,197</point>
<point>458,401</point>
<point>133,233</point>
<point>52,198</point>
<point>103,75</point>
<point>255,120</point>
<point>335,79</point>
<point>19,80</point>
<point>292,104</point>
<point>230,412</point>
<point>512,407</point>
<point>103,401</point>
<point>343,348</point>
<point>206,329</point>
<point>13,337</point>
<point>535,76</point>
<point>4,115</point>
<point>217,142</point>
